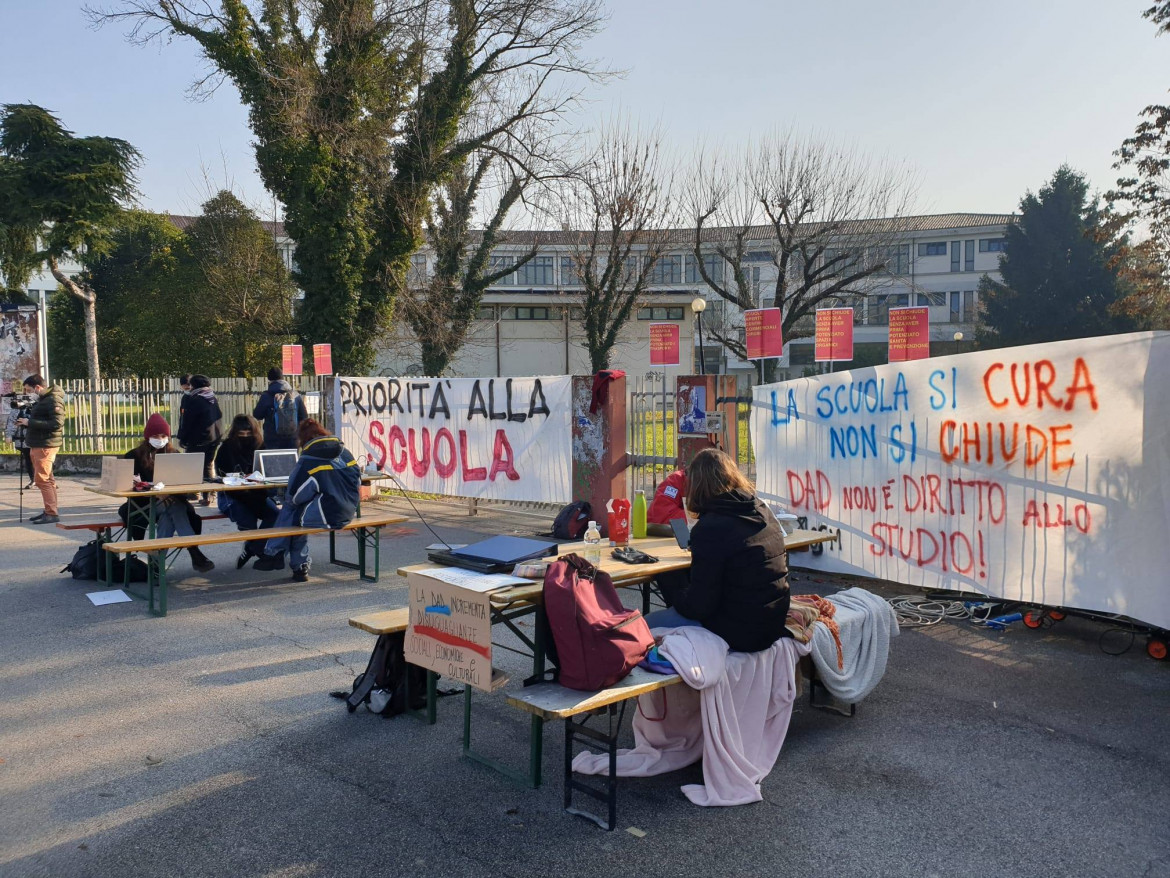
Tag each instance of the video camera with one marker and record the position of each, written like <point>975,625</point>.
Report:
<point>19,400</point>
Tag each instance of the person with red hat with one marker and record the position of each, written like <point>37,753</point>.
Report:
<point>176,515</point>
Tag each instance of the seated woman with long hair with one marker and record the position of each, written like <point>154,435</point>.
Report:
<point>738,584</point>
<point>247,509</point>
<point>175,514</point>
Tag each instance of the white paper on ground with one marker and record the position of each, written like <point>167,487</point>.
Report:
<point>472,580</point>
<point>114,596</point>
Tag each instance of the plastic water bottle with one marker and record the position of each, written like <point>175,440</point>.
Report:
<point>639,521</point>
<point>593,544</point>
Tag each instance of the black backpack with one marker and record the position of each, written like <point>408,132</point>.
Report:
<point>85,565</point>
<point>572,520</point>
<point>382,686</point>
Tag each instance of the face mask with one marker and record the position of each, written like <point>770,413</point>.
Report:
<point>159,442</point>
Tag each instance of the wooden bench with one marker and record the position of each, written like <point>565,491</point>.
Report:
<point>104,525</point>
<point>549,701</point>
<point>391,622</point>
<point>106,522</point>
<point>367,529</point>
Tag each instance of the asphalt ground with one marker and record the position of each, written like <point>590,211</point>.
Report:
<point>206,744</point>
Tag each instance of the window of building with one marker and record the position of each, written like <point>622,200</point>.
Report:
<point>937,300</point>
<point>570,277</point>
<point>712,262</point>
<point>968,256</point>
<point>576,313</point>
<point>968,306</point>
<point>527,312</point>
<point>898,259</point>
<point>758,256</point>
<point>933,248</point>
<point>486,312</point>
<point>496,263</point>
<point>841,263</point>
<point>955,253</point>
<point>956,307</point>
<point>661,313</point>
<point>536,272</point>
<point>667,270</point>
<point>879,307</point>
<point>992,245</point>
<point>418,269</point>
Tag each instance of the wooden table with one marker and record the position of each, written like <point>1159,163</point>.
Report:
<point>510,604</point>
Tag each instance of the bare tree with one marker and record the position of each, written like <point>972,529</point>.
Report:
<point>619,207</point>
<point>826,221</point>
<point>440,307</point>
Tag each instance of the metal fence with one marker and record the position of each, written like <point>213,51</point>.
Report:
<point>126,403</point>
<point>651,445</point>
<point>650,417</point>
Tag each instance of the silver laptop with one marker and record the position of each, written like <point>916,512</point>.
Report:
<point>179,469</point>
<point>117,474</point>
<point>276,466</point>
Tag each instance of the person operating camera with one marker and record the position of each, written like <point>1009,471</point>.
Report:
<point>43,429</point>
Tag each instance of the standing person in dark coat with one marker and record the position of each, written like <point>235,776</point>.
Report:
<point>201,426</point>
<point>738,586</point>
<point>281,409</point>
<point>43,434</point>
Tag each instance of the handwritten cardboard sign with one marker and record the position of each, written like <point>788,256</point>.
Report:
<point>1035,474</point>
<point>834,335</point>
<point>450,631</point>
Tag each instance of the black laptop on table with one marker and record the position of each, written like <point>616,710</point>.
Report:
<point>495,554</point>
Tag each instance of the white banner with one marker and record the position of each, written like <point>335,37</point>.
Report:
<point>495,438</point>
<point>1037,474</point>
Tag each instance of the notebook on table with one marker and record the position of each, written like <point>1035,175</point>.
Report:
<point>179,469</point>
<point>495,554</point>
<point>275,466</point>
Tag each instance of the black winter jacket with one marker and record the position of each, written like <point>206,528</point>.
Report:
<point>46,420</point>
<point>739,573</point>
<point>200,419</point>
<point>265,412</point>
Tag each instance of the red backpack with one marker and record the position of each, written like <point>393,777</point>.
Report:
<point>597,640</point>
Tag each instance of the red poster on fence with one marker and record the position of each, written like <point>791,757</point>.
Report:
<point>909,334</point>
<point>763,333</point>
<point>322,359</point>
<point>834,335</point>
<point>664,344</point>
<point>291,359</point>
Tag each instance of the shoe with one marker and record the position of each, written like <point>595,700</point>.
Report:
<point>269,562</point>
<point>36,519</point>
<point>204,501</point>
<point>201,562</point>
<point>43,518</point>
<point>301,574</point>
<point>245,556</point>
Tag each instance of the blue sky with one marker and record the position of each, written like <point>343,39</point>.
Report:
<point>984,100</point>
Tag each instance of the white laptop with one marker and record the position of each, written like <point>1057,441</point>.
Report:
<point>178,469</point>
<point>275,466</point>
<point>117,474</point>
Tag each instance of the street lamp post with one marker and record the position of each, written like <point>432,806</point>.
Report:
<point>698,306</point>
